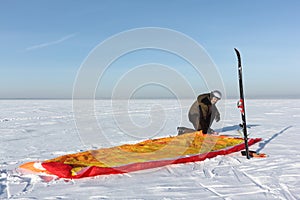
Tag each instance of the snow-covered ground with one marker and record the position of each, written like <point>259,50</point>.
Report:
<point>42,129</point>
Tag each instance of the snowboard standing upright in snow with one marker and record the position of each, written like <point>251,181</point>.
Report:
<point>241,103</point>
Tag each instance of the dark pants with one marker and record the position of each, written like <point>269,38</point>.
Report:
<point>195,117</point>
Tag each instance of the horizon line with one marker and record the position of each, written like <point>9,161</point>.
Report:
<point>144,98</point>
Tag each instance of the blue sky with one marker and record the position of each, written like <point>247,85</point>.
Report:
<point>44,43</point>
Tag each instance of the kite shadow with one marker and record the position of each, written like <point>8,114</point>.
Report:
<point>263,144</point>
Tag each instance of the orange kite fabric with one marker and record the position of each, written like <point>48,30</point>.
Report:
<point>151,153</point>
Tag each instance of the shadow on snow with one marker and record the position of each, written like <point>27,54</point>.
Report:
<point>263,144</point>
<point>234,128</point>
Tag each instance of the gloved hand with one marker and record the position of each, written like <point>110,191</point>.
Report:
<point>212,131</point>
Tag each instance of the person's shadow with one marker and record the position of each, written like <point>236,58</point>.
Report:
<point>234,128</point>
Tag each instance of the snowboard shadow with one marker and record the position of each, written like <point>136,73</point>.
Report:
<point>264,143</point>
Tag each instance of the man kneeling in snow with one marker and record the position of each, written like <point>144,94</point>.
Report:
<point>203,112</point>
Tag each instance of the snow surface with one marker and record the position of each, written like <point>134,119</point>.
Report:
<point>42,129</point>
